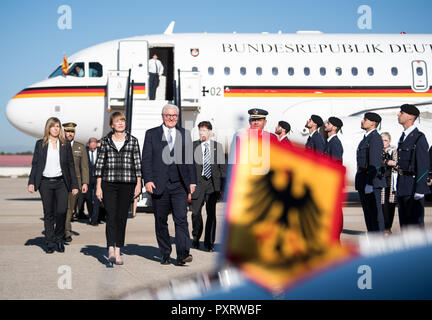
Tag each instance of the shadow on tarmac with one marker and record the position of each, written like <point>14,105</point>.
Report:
<point>23,199</point>
<point>101,253</point>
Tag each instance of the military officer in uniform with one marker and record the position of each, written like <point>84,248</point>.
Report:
<point>257,123</point>
<point>315,140</point>
<point>413,168</point>
<point>82,173</point>
<point>368,180</point>
<point>334,146</point>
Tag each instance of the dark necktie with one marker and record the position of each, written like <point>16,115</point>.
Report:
<point>402,138</point>
<point>207,166</point>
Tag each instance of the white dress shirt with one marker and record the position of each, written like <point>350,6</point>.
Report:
<point>52,166</point>
<point>94,153</point>
<point>155,66</point>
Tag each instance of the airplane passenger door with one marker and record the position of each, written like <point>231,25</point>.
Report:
<point>419,71</point>
<point>133,54</point>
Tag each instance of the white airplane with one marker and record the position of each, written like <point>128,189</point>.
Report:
<point>218,77</point>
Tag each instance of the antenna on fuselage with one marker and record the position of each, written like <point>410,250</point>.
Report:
<point>170,28</point>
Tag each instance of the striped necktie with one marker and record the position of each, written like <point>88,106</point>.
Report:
<point>170,140</point>
<point>207,166</point>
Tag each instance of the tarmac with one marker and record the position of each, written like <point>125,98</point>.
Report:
<point>82,271</point>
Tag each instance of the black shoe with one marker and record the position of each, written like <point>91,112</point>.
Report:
<point>68,239</point>
<point>196,244</point>
<point>49,250</point>
<point>60,247</point>
<point>184,260</point>
<point>210,248</point>
<point>165,259</point>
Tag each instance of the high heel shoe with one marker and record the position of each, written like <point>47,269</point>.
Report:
<point>118,261</point>
<point>111,261</point>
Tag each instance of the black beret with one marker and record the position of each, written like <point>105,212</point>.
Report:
<point>336,122</point>
<point>317,119</point>
<point>372,116</point>
<point>285,125</point>
<point>410,109</point>
<point>256,113</point>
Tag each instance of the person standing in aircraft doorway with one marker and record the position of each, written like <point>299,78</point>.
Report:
<point>155,71</point>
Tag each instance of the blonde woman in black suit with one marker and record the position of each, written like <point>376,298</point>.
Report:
<point>53,174</point>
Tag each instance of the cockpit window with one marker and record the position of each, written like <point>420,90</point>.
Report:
<point>95,70</point>
<point>57,72</point>
<point>77,70</point>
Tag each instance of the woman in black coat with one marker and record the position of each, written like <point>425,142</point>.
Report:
<point>53,174</point>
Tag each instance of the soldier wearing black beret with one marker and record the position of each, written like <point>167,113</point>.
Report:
<point>334,146</point>
<point>315,140</point>
<point>368,180</point>
<point>281,131</point>
<point>413,168</point>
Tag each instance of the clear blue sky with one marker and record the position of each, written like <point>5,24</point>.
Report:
<point>32,45</point>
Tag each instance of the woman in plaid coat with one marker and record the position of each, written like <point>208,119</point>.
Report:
<point>118,172</point>
<point>388,198</point>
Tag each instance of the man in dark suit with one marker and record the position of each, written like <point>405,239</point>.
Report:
<point>210,171</point>
<point>413,168</point>
<point>369,180</point>
<point>315,140</point>
<point>334,146</point>
<point>90,199</point>
<point>169,175</point>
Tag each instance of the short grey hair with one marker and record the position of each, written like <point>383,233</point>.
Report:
<point>170,106</point>
<point>386,134</point>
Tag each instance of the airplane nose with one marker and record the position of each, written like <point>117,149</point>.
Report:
<point>19,114</point>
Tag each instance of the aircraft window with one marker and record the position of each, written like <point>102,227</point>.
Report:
<point>306,71</point>
<point>275,71</point>
<point>227,71</point>
<point>339,71</point>
<point>57,72</point>
<point>77,70</point>
<point>354,71</point>
<point>322,71</point>
<point>370,71</point>
<point>95,70</point>
<point>394,71</point>
<point>419,71</point>
<point>259,71</point>
<point>242,71</point>
<point>291,71</point>
<point>194,69</point>
<point>211,71</point>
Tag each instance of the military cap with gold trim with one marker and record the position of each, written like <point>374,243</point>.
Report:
<point>69,126</point>
<point>256,113</point>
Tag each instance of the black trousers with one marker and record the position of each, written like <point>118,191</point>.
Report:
<point>153,84</point>
<point>173,198</point>
<point>92,202</point>
<point>208,196</point>
<point>54,193</point>
<point>117,198</point>
<point>411,212</point>
<point>388,209</point>
<point>372,210</point>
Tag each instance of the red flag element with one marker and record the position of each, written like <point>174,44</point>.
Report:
<point>65,66</point>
